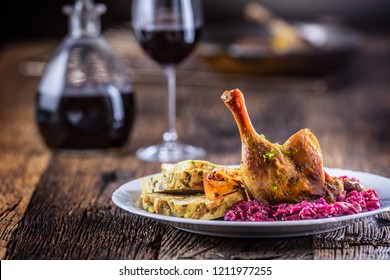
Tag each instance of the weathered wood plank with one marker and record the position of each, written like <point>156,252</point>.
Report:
<point>193,246</point>
<point>22,159</point>
<point>71,215</point>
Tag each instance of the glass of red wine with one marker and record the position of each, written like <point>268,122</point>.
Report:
<point>168,31</point>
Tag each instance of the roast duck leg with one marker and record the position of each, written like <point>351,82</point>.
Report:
<point>275,173</point>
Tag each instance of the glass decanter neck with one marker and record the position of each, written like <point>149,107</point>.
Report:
<point>84,18</point>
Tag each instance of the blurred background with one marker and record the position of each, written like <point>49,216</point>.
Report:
<point>34,19</point>
<point>358,94</point>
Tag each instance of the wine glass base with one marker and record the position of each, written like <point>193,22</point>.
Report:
<point>170,152</point>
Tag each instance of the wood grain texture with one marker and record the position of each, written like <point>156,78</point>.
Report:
<point>58,206</point>
<point>22,161</point>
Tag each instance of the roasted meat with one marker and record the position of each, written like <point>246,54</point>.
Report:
<point>275,173</point>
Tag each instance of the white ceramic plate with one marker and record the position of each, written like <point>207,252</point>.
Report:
<point>127,195</point>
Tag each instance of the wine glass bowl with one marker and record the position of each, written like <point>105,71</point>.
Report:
<point>168,31</point>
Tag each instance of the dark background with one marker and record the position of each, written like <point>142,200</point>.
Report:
<point>44,18</point>
<point>23,20</point>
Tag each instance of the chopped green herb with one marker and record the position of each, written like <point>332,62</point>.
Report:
<point>270,155</point>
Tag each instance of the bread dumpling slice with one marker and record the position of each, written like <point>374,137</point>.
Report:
<point>185,177</point>
<point>189,206</point>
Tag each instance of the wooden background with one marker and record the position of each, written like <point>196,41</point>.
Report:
<point>56,206</point>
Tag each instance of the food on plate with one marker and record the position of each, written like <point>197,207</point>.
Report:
<point>185,177</point>
<point>225,195</point>
<point>275,173</point>
<point>273,182</point>
<point>222,181</point>
<point>354,202</point>
<point>195,206</point>
<point>179,190</point>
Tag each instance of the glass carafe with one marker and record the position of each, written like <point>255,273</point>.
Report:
<point>85,100</point>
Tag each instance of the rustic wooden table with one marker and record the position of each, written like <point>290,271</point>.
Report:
<point>55,206</point>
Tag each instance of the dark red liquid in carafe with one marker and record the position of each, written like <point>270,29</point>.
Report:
<point>85,122</point>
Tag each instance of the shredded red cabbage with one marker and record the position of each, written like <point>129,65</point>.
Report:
<point>353,202</point>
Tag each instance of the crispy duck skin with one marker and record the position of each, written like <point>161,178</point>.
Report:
<point>275,173</point>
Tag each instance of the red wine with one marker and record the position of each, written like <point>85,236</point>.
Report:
<point>168,46</point>
<point>95,121</point>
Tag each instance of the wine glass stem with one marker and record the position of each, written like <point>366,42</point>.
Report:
<point>171,134</point>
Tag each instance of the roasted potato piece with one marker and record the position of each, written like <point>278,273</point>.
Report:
<point>222,181</point>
